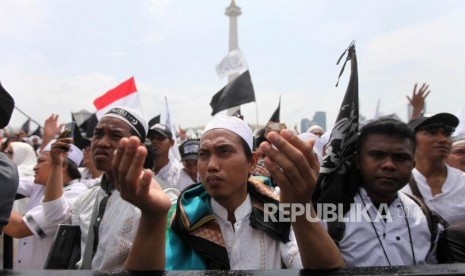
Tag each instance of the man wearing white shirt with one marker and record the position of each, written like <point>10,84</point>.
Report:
<point>35,232</point>
<point>393,231</point>
<point>189,151</point>
<point>107,222</point>
<point>218,223</point>
<point>441,186</point>
<point>166,168</point>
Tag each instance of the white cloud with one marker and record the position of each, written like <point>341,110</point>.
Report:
<point>21,18</point>
<point>158,7</point>
<point>421,42</point>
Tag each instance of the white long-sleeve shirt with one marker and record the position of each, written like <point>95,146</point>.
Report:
<point>33,250</point>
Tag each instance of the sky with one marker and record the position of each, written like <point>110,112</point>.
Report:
<point>58,56</point>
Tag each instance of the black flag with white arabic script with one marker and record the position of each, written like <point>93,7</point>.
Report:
<point>238,91</point>
<point>333,184</point>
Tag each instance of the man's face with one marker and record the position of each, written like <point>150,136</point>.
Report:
<point>456,157</point>
<point>161,144</point>
<point>190,166</point>
<point>42,168</point>
<point>385,163</point>
<point>433,143</point>
<point>105,141</point>
<point>318,132</point>
<point>223,167</point>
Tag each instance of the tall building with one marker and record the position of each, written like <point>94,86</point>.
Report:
<point>320,119</point>
<point>305,124</point>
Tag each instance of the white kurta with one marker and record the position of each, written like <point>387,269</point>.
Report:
<point>361,247</point>
<point>450,203</point>
<point>249,248</point>
<point>117,229</point>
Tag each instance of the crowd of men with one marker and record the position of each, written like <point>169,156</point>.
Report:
<point>139,208</point>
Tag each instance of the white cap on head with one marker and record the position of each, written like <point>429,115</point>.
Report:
<point>233,124</point>
<point>131,117</point>
<point>315,127</point>
<point>74,153</point>
<point>458,139</point>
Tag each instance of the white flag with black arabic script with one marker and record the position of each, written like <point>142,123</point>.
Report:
<point>233,62</point>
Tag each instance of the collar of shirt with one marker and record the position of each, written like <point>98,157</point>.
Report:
<point>241,212</point>
<point>424,188</point>
<point>67,185</point>
<point>106,186</point>
<point>168,170</point>
<point>367,199</point>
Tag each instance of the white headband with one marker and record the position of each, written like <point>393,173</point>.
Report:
<point>233,124</point>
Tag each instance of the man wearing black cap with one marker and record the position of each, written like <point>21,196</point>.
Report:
<point>440,186</point>
<point>189,151</point>
<point>165,168</point>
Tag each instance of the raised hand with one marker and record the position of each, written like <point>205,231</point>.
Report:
<point>51,129</point>
<point>51,126</point>
<point>135,184</point>
<point>294,167</point>
<point>59,150</point>
<point>418,99</point>
<point>292,164</point>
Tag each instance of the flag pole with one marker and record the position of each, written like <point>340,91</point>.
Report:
<point>29,117</point>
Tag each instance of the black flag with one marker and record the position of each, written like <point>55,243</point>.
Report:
<point>275,116</point>
<point>89,125</point>
<point>238,91</point>
<point>7,104</point>
<point>155,120</point>
<point>25,126</point>
<point>333,184</point>
<point>37,132</point>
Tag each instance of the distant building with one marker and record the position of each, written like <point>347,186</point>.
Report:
<point>305,124</point>
<point>320,119</point>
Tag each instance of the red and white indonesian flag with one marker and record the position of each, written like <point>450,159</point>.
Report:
<point>124,94</point>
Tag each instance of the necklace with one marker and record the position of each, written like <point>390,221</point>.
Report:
<point>379,239</point>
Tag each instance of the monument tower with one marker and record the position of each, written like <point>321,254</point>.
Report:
<point>233,12</point>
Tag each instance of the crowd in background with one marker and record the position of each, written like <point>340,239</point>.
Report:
<point>128,193</point>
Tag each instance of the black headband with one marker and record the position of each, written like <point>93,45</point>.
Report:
<point>131,119</point>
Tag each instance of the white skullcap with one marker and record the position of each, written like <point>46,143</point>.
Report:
<point>458,139</point>
<point>315,127</point>
<point>74,153</point>
<point>130,117</point>
<point>233,124</point>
